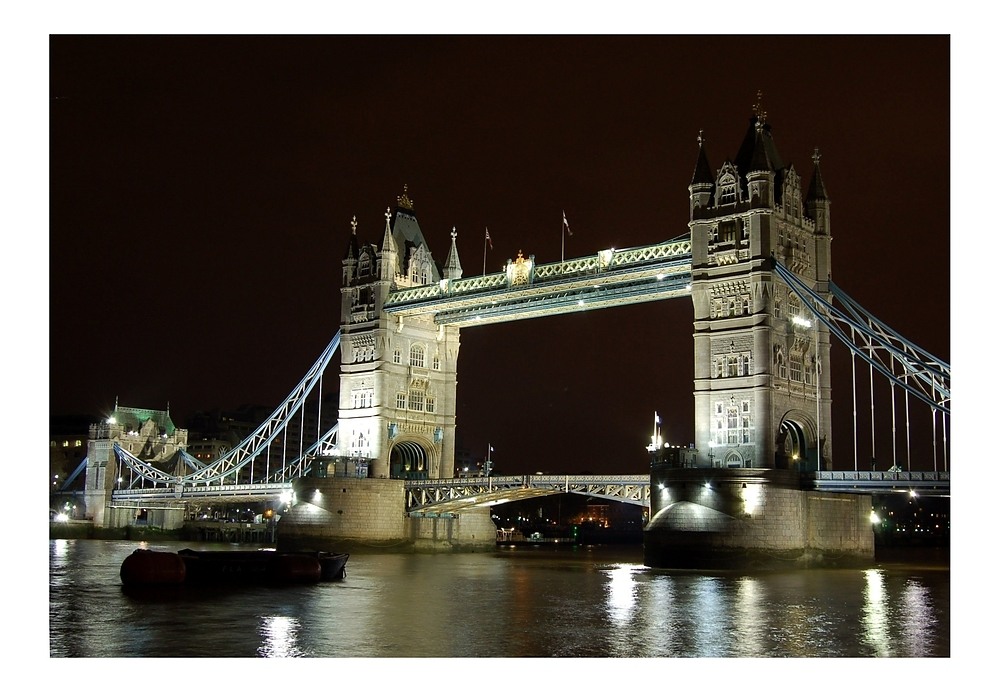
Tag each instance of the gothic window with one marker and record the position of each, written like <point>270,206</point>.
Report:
<point>718,409</point>
<point>430,404</point>
<point>795,365</point>
<point>746,305</point>
<point>745,430</point>
<point>779,360</point>
<point>401,401</point>
<point>777,308</point>
<point>808,371</point>
<point>731,307</point>
<point>732,427</point>
<point>416,400</point>
<point>732,366</point>
<point>364,265</point>
<point>396,357</point>
<point>362,398</point>
<point>727,190</point>
<point>436,363</point>
<point>417,356</point>
<point>745,364</point>
<point>727,229</point>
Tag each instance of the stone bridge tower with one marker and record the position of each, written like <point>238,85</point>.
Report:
<point>398,378</point>
<point>762,381</point>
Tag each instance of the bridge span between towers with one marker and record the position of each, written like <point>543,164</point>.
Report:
<point>450,496</point>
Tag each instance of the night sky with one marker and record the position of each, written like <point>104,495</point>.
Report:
<point>201,191</point>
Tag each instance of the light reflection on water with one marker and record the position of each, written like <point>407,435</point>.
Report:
<point>597,603</point>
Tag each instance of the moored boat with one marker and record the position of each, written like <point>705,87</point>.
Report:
<point>222,567</point>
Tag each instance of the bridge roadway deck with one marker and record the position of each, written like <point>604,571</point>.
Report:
<point>447,496</point>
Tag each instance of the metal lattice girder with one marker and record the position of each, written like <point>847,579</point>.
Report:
<point>241,455</point>
<point>607,279</point>
<point>920,373</point>
<point>457,494</point>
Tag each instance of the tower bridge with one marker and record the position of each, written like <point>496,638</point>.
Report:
<point>755,261</point>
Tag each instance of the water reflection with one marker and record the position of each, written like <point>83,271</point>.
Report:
<point>279,635</point>
<point>875,618</point>
<point>517,604</point>
<point>918,619</point>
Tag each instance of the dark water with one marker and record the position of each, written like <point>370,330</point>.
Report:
<point>536,602</point>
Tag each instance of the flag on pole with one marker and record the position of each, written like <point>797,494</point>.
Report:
<point>566,223</point>
<point>488,239</point>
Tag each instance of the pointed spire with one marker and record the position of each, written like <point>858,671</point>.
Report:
<point>388,243</point>
<point>759,161</point>
<point>817,191</point>
<point>452,266</point>
<point>352,244</point>
<point>389,255</point>
<point>702,170</point>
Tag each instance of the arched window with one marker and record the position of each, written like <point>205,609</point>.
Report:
<point>416,356</point>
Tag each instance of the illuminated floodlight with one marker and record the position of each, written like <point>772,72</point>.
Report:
<point>62,517</point>
<point>913,493</point>
<point>875,518</point>
<point>286,497</point>
<point>708,485</point>
<point>802,321</point>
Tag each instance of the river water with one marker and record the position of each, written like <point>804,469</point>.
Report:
<point>526,602</point>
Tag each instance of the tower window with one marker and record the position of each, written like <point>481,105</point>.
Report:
<point>416,400</point>
<point>396,357</point>
<point>401,401</point>
<point>417,356</point>
<point>436,363</point>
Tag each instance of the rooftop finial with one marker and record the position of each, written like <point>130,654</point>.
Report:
<point>816,156</point>
<point>758,108</point>
<point>454,233</point>
<point>701,138</point>
<point>404,201</point>
<point>354,225</point>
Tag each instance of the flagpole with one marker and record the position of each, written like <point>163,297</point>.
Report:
<point>565,226</point>
<point>484,250</point>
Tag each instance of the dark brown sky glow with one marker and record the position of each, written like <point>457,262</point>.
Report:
<point>202,189</point>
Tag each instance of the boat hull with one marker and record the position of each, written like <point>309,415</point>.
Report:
<point>228,567</point>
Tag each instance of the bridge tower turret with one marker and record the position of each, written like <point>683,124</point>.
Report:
<point>398,377</point>
<point>762,385</point>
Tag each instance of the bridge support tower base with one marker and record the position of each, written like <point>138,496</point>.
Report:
<point>752,519</point>
<point>367,515</point>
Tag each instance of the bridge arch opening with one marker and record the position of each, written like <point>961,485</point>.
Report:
<point>795,446</point>
<point>409,460</point>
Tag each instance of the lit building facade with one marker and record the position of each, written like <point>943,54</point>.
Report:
<point>398,377</point>
<point>762,382</point>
